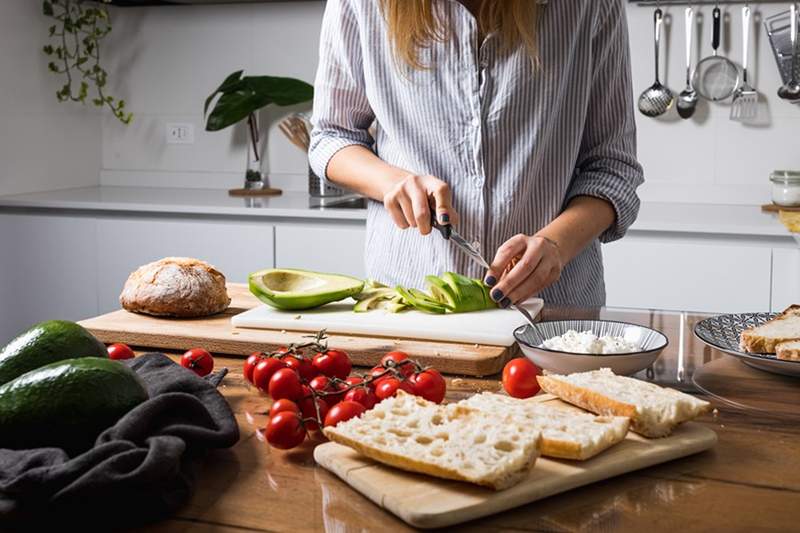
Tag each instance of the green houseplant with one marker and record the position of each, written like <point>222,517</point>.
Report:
<point>240,97</point>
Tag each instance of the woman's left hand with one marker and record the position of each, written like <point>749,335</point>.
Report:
<point>523,266</point>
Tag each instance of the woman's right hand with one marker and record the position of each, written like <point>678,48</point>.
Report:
<point>411,199</point>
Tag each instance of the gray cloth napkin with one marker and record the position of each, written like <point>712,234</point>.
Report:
<point>139,470</point>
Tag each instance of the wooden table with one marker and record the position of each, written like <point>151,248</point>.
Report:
<point>750,481</point>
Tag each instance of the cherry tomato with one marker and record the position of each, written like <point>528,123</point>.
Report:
<point>400,361</point>
<point>324,384</point>
<point>374,373</point>
<point>199,361</point>
<point>120,351</point>
<point>283,405</point>
<point>250,364</point>
<point>333,363</point>
<point>343,411</point>
<point>310,414</point>
<point>285,383</point>
<point>264,370</point>
<point>519,378</point>
<point>389,386</point>
<point>354,380</point>
<point>430,385</point>
<point>361,395</point>
<point>285,430</point>
<point>301,365</point>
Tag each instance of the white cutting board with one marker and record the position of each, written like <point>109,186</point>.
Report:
<point>493,327</point>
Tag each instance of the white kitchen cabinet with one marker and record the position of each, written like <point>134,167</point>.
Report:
<point>236,248</point>
<point>321,247</point>
<point>687,275</point>
<point>785,278</point>
<point>47,270</point>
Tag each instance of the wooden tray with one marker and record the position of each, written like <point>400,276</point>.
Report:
<point>427,502</point>
<point>774,208</point>
<point>217,335</point>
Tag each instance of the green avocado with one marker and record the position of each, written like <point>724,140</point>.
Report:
<point>67,404</point>
<point>45,343</point>
<point>420,301</point>
<point>293,289</point>
<point>469,294</point>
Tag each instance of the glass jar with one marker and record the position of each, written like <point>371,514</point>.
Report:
<point>786,187</point>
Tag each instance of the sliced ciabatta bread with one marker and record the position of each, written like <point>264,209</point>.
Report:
<point>452,441</point>
<point>566,433</point>
<point>654,411</point>
<point>765,338</point>
<point>788,350</point>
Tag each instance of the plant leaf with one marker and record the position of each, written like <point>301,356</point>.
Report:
<point>224,87</point>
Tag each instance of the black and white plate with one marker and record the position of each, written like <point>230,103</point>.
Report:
<point>722,332</point>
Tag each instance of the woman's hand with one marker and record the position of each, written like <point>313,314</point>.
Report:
<point>409,202</point>
<point>523,266</point>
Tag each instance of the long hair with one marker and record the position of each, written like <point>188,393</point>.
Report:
<point>415,24</point>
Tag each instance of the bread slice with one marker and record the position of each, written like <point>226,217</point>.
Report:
<point>765,338</point>
<point>789,350</point>
<point>566,433</point>
<point>452,441</point>
<point>654,411</point>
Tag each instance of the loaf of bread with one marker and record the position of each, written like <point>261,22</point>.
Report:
<point>766,337</point>
<point>176,287</point>
<point>789,350</point>
<point>452,441</point>
<point>654,411</point>
<point>566,433</point>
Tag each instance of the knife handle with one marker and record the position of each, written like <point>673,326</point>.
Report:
<point>444,229</point>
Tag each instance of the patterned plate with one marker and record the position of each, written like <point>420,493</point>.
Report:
<point>722,333</point>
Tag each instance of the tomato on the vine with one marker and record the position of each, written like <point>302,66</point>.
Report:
<point>301,365</point>
<point>120,351</point>
<point>354,380</point>
<point>310,413</point>
<point>361,395</point>
<point>283,405</point>
<point>343,411</point>
<point>333,363</point>
<point>430,385</point>
<point>400,361</point>
<point>389,386</point>
<point>198,361</point>
<point>519,378</point>
<point>285,430</point>
<point>264,370</point>
<point>285,383</point>
<point>250,364</point>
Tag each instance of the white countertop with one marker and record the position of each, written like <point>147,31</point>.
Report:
<point>653,216</point>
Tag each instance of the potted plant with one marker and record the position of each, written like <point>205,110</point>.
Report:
<point>241,97</point>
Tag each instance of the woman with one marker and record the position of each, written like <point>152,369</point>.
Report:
<point>511,119</point>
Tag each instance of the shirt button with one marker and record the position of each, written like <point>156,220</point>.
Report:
<point>477,181</point>
<point>476,122</point>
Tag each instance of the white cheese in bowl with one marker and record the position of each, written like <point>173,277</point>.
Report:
<point>589,343</point>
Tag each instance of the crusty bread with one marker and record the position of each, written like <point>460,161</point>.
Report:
<point>765,338</point>
<point>788,350</point>
<point>654,411</point>
<point>175,286</point>
<point>448,441</point>
<point>566,433</point>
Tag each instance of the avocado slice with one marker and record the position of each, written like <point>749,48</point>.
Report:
<point>441,291</point>
<point>67,404</point>
<point>469,293</point>
<point>426,304</point>
<point>45,343</point>
<point>294,289</point>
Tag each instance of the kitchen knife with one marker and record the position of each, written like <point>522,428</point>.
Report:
<point>450,234</point>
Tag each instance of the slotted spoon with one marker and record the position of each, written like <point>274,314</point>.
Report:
<point>745,98</point>
<point>656,99</point>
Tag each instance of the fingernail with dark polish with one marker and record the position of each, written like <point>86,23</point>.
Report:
<point>490,281</point>
<point>505,302</point>
<point>497,295</point>
<point>444,218</point>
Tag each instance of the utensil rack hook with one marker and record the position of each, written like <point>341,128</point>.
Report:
<point>667,3</point>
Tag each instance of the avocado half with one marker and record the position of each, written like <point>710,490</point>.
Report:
<point>294,289</point>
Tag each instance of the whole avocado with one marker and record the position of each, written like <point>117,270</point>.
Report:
<point>45,343</point>
<point>67,404</point>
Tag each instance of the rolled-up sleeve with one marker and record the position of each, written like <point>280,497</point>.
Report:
<point>607,167</point>
<point>342,114</point>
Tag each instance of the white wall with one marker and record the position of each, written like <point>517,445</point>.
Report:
<point>168,59</point>
<point>43,144</point>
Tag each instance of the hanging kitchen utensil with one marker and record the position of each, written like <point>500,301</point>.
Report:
<point>745,98</point>
<point>791,89</point>
<point>687,100</point>
<point>656,99</point>
<point>716,77</point>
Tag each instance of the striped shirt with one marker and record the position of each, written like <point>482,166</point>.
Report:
<point>515,142</point>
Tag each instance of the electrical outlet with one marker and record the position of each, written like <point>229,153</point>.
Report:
<point>180,133</point>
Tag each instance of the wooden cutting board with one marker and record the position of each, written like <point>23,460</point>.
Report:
<point>218,335</point>
<point>427,502</point>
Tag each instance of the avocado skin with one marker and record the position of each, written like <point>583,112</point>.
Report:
<point>67,404</point>
<point>300,300</point>
<point>45,343</point>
